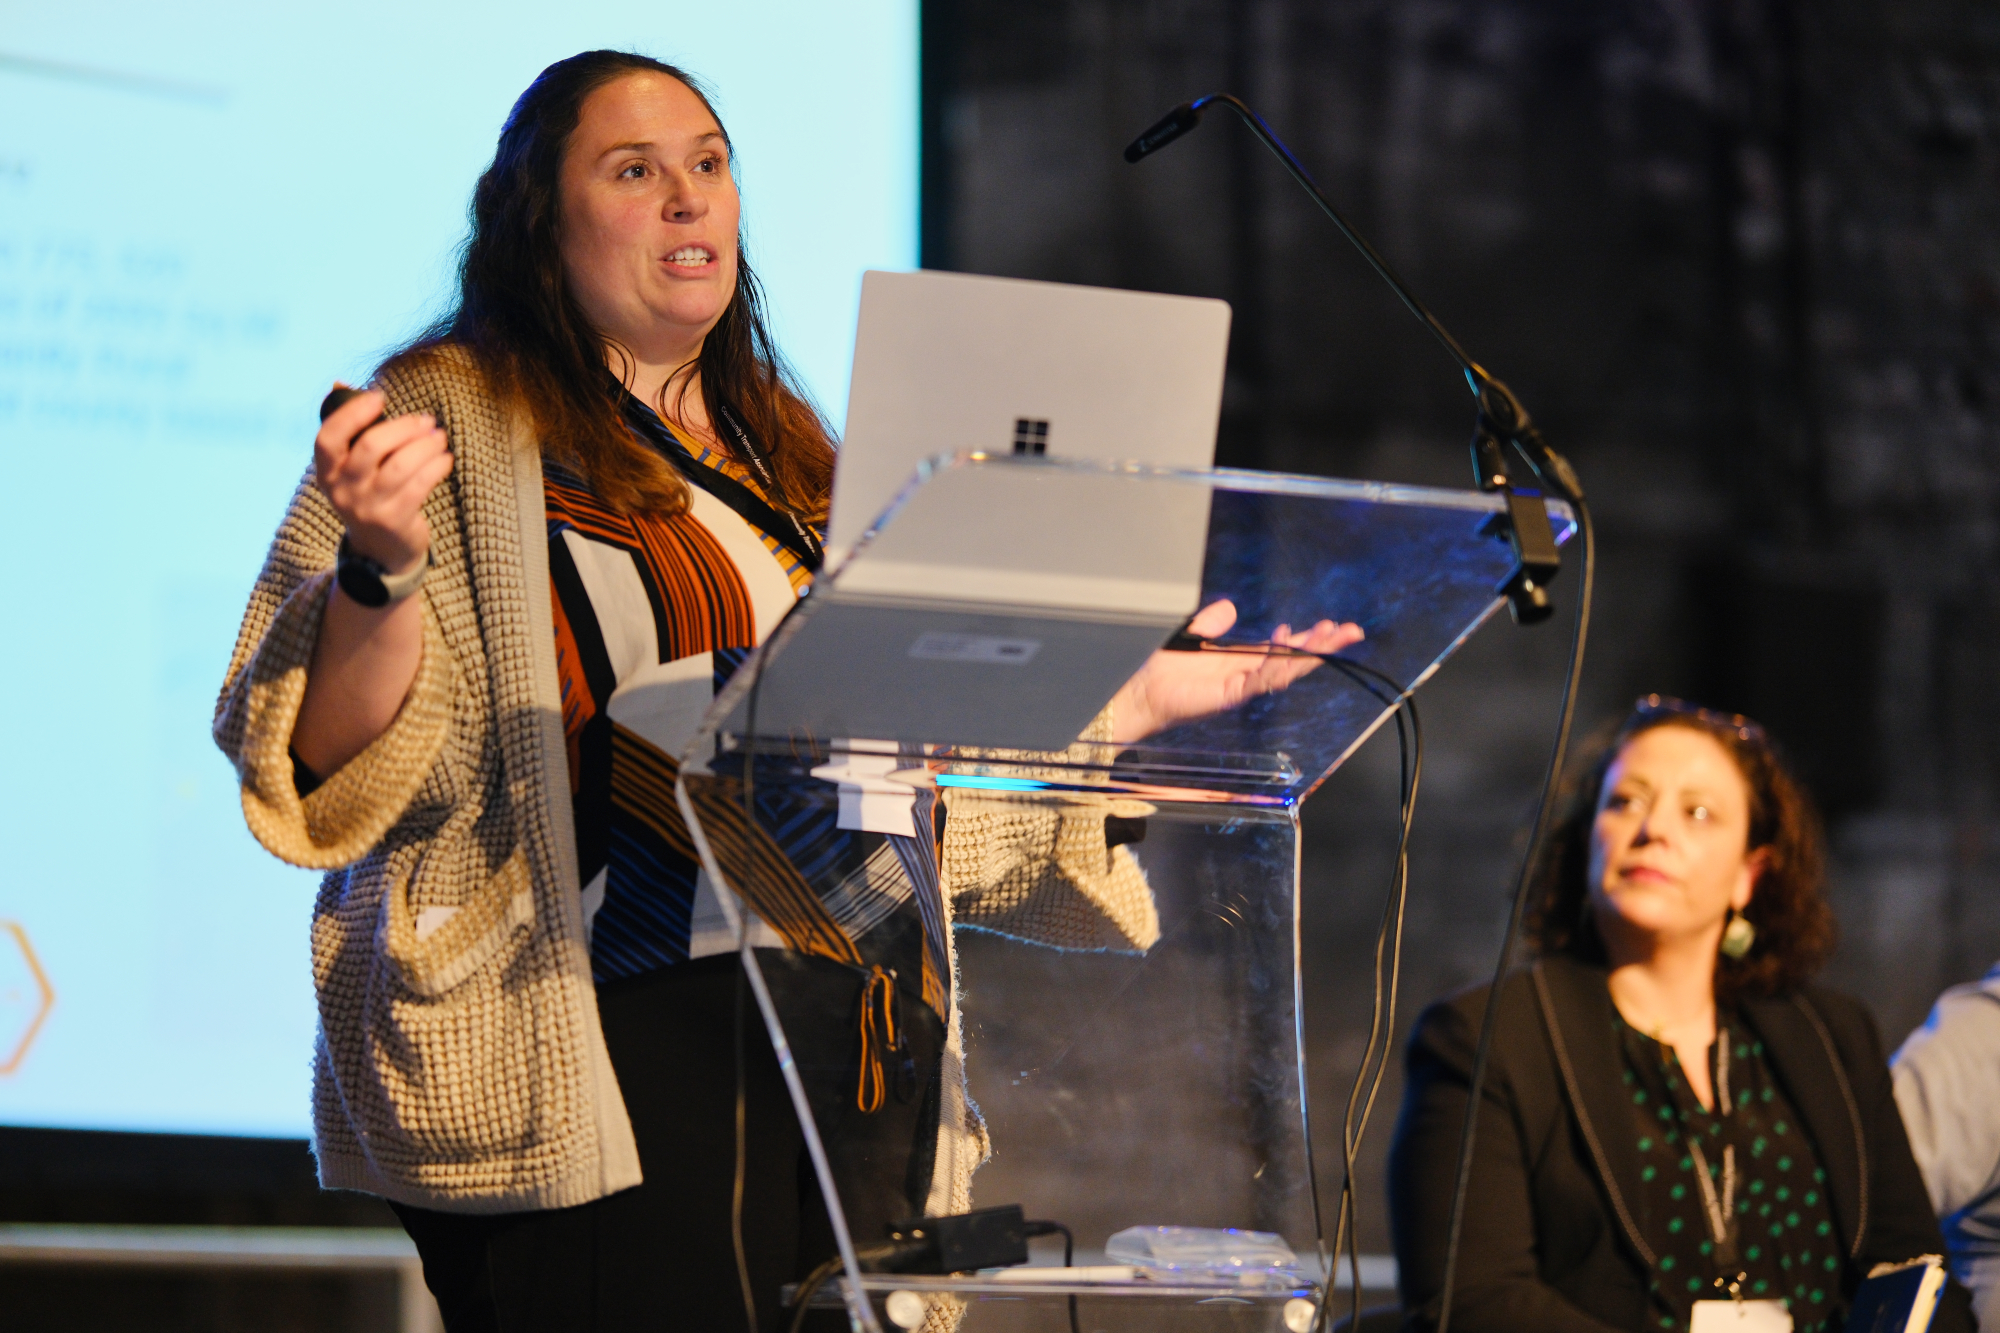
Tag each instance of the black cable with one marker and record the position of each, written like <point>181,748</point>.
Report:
<point>1482,1056</point>
<point>1388,941</point>
<point>1544,808</point>
<point>1395,953</point>
<point>803,1298</point>
<point>1382,1017</point>
<point>891,1251</point>
<point>1069,1256</point>
<point>1388,944</point>
<point>1374,1062</point>
<point>1501,416</point>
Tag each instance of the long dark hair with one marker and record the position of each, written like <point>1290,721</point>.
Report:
<point>1795,927</point>
<point>516,315</point>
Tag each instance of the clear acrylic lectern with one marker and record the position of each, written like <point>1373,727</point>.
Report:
<point>896,791</point>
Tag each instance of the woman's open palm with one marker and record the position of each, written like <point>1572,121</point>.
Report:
<point>1176,686</point>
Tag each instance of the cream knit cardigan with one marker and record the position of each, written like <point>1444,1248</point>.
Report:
<point>467,1071</point>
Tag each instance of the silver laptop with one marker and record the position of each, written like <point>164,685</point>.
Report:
<point>1007,601</point>
<point>945,362</point>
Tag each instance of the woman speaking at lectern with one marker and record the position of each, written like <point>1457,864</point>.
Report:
<point>482,635</point>
<point>1674,1117</point>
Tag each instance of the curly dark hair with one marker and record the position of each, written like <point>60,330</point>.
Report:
<point>1795,927</point>
<point>515,314</point>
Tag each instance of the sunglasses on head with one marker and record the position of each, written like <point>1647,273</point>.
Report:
<point>1664,705</point>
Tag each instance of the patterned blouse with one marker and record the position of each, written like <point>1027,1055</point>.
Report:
<point>1786,1245</point>
<point>652,617</point>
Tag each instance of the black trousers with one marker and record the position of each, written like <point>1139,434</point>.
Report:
<point>660,1256</point>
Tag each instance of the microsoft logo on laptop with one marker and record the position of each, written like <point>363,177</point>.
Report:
<point>1031,436</point>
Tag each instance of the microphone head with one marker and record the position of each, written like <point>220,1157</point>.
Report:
<point>1169,128</point>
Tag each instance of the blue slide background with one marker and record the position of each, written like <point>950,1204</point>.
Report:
<point>209,211</point>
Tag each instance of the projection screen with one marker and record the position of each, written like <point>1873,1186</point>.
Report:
<point>208,212</point>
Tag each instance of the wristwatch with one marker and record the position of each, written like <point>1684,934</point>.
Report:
<point>369,582</point>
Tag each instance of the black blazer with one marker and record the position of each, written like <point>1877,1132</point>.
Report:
<point>1551,1237</point>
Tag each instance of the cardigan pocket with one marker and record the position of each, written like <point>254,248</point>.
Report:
<point>440,1009</point>
<point>430,961</point>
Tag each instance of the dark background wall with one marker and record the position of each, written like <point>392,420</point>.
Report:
<point>1740,258</point>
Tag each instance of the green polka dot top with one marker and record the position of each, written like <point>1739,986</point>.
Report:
<point>1784,1227</point>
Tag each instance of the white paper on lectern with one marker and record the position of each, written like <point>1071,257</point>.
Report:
<point>869,801</point>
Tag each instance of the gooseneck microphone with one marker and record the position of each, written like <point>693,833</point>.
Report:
<point>1169,128</point>
<point>1186,117</point>
<point>1502,422</point>
<point>1502,418</point>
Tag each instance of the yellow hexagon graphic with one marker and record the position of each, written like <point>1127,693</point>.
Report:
<point>25,996</point>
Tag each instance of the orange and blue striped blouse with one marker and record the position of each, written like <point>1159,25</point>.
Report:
<point>652,616</point>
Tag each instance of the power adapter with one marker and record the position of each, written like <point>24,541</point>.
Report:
<point>983,1238</point>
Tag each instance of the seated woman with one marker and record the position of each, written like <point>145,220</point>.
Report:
<point>1673,1114</point>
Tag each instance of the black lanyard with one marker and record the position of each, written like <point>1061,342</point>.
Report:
<point>785,527</point>
<point>1718,1197</point>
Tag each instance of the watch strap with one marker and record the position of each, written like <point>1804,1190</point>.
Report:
<point>368,581</point>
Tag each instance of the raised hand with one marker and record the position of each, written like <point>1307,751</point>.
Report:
<point>1176,687</point>
<point>378,479</point>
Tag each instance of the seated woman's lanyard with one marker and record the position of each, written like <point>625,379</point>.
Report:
<point>1722,1224</point>
<point>1744,1289</point>
<point>1720,1208</point>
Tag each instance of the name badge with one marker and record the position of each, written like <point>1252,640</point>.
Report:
<point>1730,1316</point>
